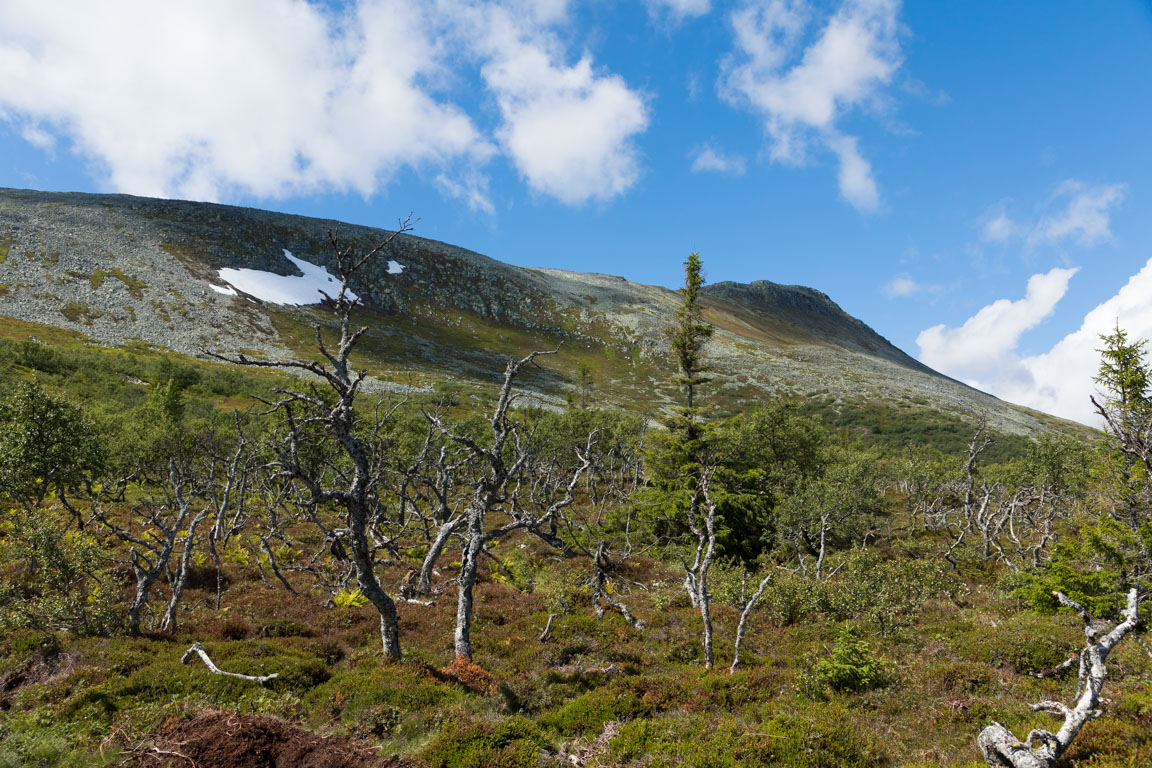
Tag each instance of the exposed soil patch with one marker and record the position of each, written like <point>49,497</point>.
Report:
<point>39,668</point>
<point>230,740</point>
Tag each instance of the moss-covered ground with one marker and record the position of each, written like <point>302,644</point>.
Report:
<point>953,666</point>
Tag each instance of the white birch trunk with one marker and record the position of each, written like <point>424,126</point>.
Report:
<point>1041,749</point>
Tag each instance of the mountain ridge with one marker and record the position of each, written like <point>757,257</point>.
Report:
<point>118,267</point>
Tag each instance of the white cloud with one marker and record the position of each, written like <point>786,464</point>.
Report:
<point>38,138</point>
<point>710,159</point>
<point>983,352</point>
<point>679,9</point>
<point>905,285</point>
<point>568,129</point>
<point>269,98</point>
<point>1074,211</point>
<point>902,285</point>
<point>472,189</point>
<point>855,177</point>
<point>997,226</point>
<point>1086,217</point>
<point>1061,379</point>
<point>985,345</point>
<point>801,88</point>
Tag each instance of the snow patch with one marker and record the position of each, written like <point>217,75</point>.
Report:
<point>227,290</point>
<point>395,267</point>
<point>286,289</point>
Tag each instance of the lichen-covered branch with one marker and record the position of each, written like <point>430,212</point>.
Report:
<point>198,649</point>
<point>1001,749</point>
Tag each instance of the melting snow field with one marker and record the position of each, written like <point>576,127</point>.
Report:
<point>287,289</point>
<point>395,267</point>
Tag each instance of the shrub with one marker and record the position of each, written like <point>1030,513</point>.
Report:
<point>852,667</point>
<point>587,714</point>
<point>349,598</point>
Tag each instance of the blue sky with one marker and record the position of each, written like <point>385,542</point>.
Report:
<point>971,179</point>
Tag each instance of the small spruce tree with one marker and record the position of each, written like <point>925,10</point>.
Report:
<point>687,337</point>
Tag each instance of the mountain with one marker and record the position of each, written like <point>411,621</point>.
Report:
<point>117,268</point>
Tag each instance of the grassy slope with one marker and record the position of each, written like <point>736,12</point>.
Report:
<point>954,666</point>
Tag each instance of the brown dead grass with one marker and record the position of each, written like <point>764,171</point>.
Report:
<point>471,675</point>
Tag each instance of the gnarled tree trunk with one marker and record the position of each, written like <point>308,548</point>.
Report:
<point>1041,749</point>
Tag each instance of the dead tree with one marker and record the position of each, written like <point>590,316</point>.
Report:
<point>215,489</point>
<point>743,625</point>
<point>277,503</point>
<point>496,488</point>
<point>152,530</point>
<point>434,477</point>
<point>230,500</point>
<point>594,528</point>
<point>1014,524</point>
<point>198,650</point>
<point>602,592</point>
<point>1041,749</point>
<point>312,419</point>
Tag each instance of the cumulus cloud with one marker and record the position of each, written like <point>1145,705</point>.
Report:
<point>984,351</point>
<point>269,98</point>
<point>710,159</point>
<point>802,84</point>
<point>986,342</point>
<point>1060,380</point>
<point>568,129</point>
<point>1074,211</point>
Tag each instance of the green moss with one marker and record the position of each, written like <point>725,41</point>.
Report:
<point>511,743</point>
<point>820,740</point>
<point>97,277</point>
<point>79,313</point>
<point>407,687</point>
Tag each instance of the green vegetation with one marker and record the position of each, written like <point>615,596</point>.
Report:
<point>908,563</point>
<point>851,668</point>
<point>98,276</point>
<point>79,313</point>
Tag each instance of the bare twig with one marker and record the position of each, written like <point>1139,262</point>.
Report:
<point>547,633</point>
<point>198,649</point>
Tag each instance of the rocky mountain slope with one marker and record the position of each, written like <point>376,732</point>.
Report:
<point>118,268</point>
